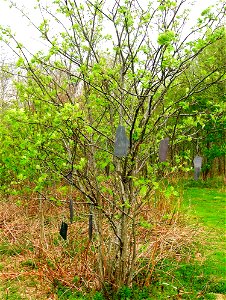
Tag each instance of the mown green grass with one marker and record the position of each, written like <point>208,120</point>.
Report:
<point>206,207</point>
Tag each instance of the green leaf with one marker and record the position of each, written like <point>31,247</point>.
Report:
<point>166,37</point>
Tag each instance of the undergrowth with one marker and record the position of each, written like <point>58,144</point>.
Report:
<point>173,265</point>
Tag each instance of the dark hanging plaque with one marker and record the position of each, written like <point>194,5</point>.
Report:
<point>121,142</point>
<point>69,177</point>
<point>197,161</point>
<point>196,173</point>
<point>197,166</point>
<point>71,210</point>
<point>63,230</point>
<point>163,149</point>
<point>107,169</point>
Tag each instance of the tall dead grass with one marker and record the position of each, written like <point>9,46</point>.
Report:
<point>44,257</point>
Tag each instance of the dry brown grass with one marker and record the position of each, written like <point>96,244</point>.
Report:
<point>40,261</point>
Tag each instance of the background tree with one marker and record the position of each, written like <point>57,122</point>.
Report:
<point>203,112</point>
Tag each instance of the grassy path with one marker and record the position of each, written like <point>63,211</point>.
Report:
<point>207,207</point>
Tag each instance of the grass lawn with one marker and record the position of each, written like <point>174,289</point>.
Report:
<point>201,274</point>
<point>206,206</point>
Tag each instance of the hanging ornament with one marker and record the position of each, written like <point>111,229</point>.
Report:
<point>69,177</point>
<point>121,142</point>
<point>197,166</point>
<point>107,169</point>
<point>71,210</point>
<point>163,149</point>
<point>63,230</point>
